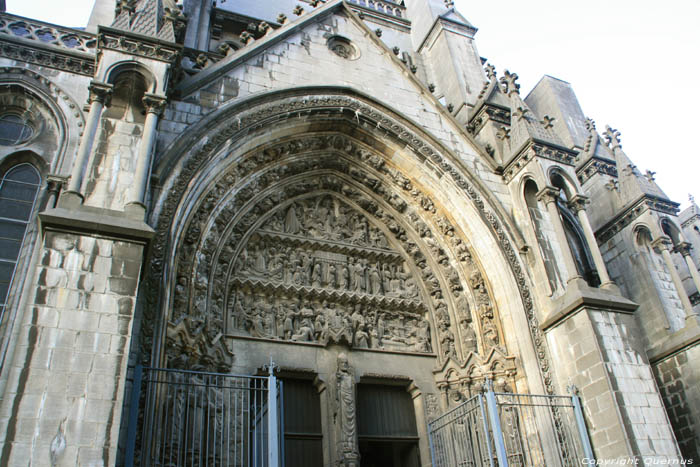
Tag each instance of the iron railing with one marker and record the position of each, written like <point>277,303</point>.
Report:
<point>193,418</point>
<point>505,429</point>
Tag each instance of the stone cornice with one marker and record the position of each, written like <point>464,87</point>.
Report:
<point>137,44</point>
<point>629,214</point>
<point>383,18</point>
<point>47,56</point>
<point>532,149</point>
<point>488,112</point>
<point>596,165</point>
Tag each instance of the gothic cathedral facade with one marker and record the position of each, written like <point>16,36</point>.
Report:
<point>346,189</point>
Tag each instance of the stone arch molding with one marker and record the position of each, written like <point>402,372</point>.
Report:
<point>66,114</point>
<point>224,193</point>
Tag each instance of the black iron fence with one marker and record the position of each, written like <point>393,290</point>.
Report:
<point>192,418</point>
<point>504,429</point>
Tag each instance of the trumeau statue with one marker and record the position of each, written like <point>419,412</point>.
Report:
<point>345,414</point>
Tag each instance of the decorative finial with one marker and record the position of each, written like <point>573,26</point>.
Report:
<point>612,137</point>
<point>490,72</point>
<point>503,133</point>
<point>449,3</point>
<point>509,83</point>
<point>548,122</point>
<point>281,18</point>
<point>298,10</point>
<point>650,175</point>
<point>521,112</point>
<point>378,32</point>
<point>315,3</point>
<point>691,198</point>
<point>590,124</point>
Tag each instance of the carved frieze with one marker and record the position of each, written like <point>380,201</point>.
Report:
<point>533,150</point>
<point>596,165</point>
<point>626,217</point>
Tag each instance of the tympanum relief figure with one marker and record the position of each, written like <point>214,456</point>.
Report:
<point>318,271</point>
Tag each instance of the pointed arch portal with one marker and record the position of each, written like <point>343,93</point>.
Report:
<point>322,220</point>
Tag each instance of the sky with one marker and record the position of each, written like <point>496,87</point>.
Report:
<point>631,64</point>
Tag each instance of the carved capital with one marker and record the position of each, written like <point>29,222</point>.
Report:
<point>662,243</point>
<point>578,203</point>
<point>548,194</point>
<point>55,183</point>
<point>683,248</point>
<point>100,92</point>
<point>154,103</point>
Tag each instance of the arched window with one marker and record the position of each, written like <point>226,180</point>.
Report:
<point>574,234</point>
<point>18,190</point>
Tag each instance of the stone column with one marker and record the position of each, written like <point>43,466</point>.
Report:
<point>154,107</point>
<point>684,249</point>
<point>53,187</point>
<point>663,244</point>
<point>549,195</point>
<point>578,205</point>
<point>100,94</point>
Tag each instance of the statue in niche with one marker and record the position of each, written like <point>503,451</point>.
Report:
<point>344,277</point>
<point>468,336</point>
<point>381,330</point>
<point>395,283</point>
<point>332,276</point>
<point>317,275</point>
<point>447,341</point>
<point>291,221</point>
<point>386,279</point>
<point>375,281</point>
<point>344,414</point>
<point>358,276</point>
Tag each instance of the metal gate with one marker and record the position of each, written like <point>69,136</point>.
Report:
<point>203,419</point>
<point>504,429</point>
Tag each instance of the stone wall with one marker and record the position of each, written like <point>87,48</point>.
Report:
<point>678,378</point>
<point>69,366</point>
<point>597,352</point>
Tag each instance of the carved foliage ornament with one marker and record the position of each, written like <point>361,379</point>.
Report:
<point>334,106</point>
